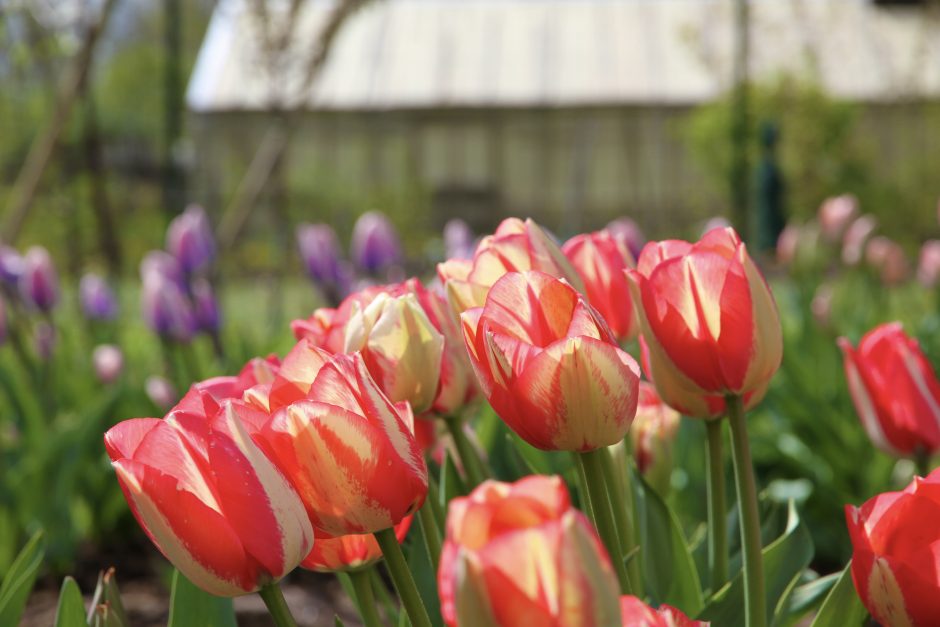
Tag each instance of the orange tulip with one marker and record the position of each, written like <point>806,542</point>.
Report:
<point>349,552</point>
<point>549,364</point>
<point>520,554</point>
<point>635,613</point>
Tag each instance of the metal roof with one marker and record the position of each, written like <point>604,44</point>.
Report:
<point>412,54</point>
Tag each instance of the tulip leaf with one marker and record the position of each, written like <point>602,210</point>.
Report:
<point>192,607</point>
<point>113,597</point>
<point>19,580</point>
<point>806,597</point>
<point>842,607</point>
<point>71,609</point>
<point>337,621</point>
<point>784,561</point>
<point>668,567</point>
<point>425,577</point>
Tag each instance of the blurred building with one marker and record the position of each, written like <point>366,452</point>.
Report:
<point>562,109</point>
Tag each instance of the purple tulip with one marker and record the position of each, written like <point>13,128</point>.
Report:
<point>189,238</point>
<point>166,309</point>
<point>459,242</point>
<point>98,301</point>
<point>164,264</point>
<point>39,284</point>
<point>11,265</point>
<point>375,243</point>
<point>319,250</point>
<point>108,361</point>
<point>206,307</point>
<point>630,232</point>
<point>161,392</point>
<point>45,340</point>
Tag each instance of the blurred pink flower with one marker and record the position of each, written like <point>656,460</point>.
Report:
<point>853,244</point>
<point>108,361</point>
<point>887,258</point>
<point>835,214</point>
<point>928,267</point>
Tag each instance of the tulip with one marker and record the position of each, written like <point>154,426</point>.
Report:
<point>835,215</point>
<point>787,244</point>
<point>894,563</point>
<point>652,436</point>
<point>163,264</point>
<point>209,499</point>
<point>520,554</point>
<point>11,265</point>
<point>635,613</point>
<point>928,267</point>
<point>349,552</point>
<point>600,258</point>
<point>458,239</point>
<point>347,448</point>
<point>895,391</point>
<point>516,246</point>
<point>821,305</point>
<point>256,372</point>
<point>206,307</point>
<point>715,222</point>
<point>549,364</point>
<point>853,243</point>
<point>189,239</point>
<point>166,309</point>
<point>45,340</point>
<point>108,361</point>
<point>400,346</point>
<point>375,243</point>
<point>322,257</point>
<point>630,232</point>
<point>160,392</point>
<point>326,327</point>
<point>39,283</point>
<point>709,321</point>
<point>97,299</point>
<point>888,259</point>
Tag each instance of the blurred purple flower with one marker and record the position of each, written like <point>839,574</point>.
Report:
<point>189,238</point>
<point>459,242</point>
<point>108,361</point>
<point>320,252</point>
<point>11,265</point>
<point>39,283</point>
<point>166,309</point>
<point>206,307</point>
<point>160,391</point>
<point>45,339</point>
<point>164,264</point>
<point>97,298</point>
<point>375,243</point>
<point>630,232</point>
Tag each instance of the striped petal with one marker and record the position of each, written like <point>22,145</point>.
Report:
<point>297,372</point>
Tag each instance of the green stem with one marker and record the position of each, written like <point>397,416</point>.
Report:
<point>277,606</point>
<point>378,585</point>
<point>585,492</point>
<point>365,600</point>
<point>617,487</point>
<point>431,532</point>
<point>472,465</point>
<point>922,462</point>
<point>401,577</point>
<point>755,601</point>
<point>593,462</point>
<point>717,507</point>
<point>434,497</point>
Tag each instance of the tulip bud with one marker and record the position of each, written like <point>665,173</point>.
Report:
<point>928,267</point>
<point>206,312</point>
<point>347,448</point>
<point>600,258</point>
<point>209,499</point>
<point>349,552</point>
<point>895,391</point>
<point>635,613</point>
<point>888,259</point>
<point>853,244</point>
<point>835,215</point>
<point>521,550</point>
<point>97,299</point>
<point>400,346</point>
<point>375,243</point>
<point>709,320</point>
<point>787,244</point>
<point>166,309</point>
<point>160,392</point>
<point>108,361</point>
<point>11,266</point>
<point>189,239</point>
<point>164,264</point>
<point>821,305</point>
<point>652,437</point>
<point>516,246</point>
<point>630,232</point>
<point>458,239</point>
<point>39,283</point>
<point>321,255</point>
<point>549,364</point>
<point>45,340</point>
<point>893,562</point>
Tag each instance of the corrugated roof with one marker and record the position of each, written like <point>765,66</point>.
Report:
<point>405,54</point>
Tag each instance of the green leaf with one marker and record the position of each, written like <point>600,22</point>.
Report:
<point>71,609</point>
<point>192,607</point>
<point>112,596</point>
<point>668,567</point>
<point>19,580</point>
<point>337,621</point>
<point>784,560</point>
<point>842,608</point>
<point>807,597</point>
<point>423,572</point>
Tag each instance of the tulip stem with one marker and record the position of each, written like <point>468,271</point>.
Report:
<point>755,602</point>
<point>618,488</point>
<point>717,506</point>
<point>585,492</point>
<point>365,599</point>
<point>593,463</point>
<point>472,465</point>
<point>430,531</point>
<point>401,577</point>
<point>922,462</point>
<point>277,606</point>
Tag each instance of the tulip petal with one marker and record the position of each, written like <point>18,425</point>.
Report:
<point>297,373</point>
<point>122,439</point>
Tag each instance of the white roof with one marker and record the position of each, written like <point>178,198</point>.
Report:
<point>408,54</point>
